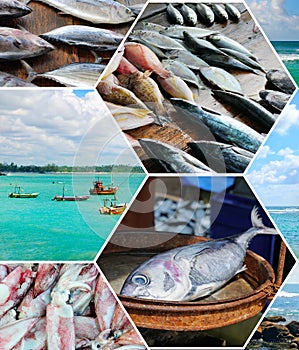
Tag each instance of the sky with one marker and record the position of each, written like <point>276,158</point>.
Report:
<point>275,172</point>
<point>78,131</point>
<point>279,19</point>
<point>294,276</point>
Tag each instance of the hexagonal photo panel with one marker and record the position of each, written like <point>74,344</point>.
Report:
<point>196,261</point>
<point>274,173</point>
<point>60,43</point>
<point>62,306</point>
<point>68,174</point>
<point>196,87</point>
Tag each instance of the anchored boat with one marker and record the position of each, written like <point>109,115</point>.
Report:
<point>112,207</point>
<point>18,193</point>
<point>100,189</point>
<point>63,197</point>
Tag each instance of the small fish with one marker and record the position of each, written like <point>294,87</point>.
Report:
<point>174,14</point>
<point>177,32</point>
<point>221,157</point>
<point>9,80</point>
<point>248,107</point>
<point>16,44</point>
<point>192,61</point>
<point>220,13</point>
<point>152,26</point>
<point>171,158</point>
<point>157,39</point>
<point>205,14</point>
<point>275,99</point>
<point>221,78</point>
<point>144,58</point>
<point>250,62</point>
<point>13,9</point>
<point>176,87</point>
<point>94,11</point>
<point>90,37</point>
<point>125,67</point>
<point>181,70</point>
<point>198,45</point>
<point>222,41</point>
<point>189,15</point>
<point>280,79</point>
<point>233,13</point>
<point>156,50</point>
<point>74,74</point>
<point>226,128</point>
<point>194,271</point>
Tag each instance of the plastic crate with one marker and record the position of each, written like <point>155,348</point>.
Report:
<point>231,215</point>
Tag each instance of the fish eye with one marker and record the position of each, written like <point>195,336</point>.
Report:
<point>140,280</point>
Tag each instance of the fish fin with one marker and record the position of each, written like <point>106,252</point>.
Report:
<point>147,73</point>
<point>256,220</point>
<point>31,73</point>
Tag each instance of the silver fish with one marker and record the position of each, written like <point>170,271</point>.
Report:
<point>226,128</point>
<point>195,271</point>
<point>220,13</point>
<point>157,39</point>
<point>275,99</point>
<point>221,78</point>
<point>177,31</point>
<point>174,14</point>
<point>94,11</point>
<point>242,57</point>
<point>13,9</point>
<point>233,13</point>
<point>90,37</point>
<point>152,26</point>
<point>16,44</point>
<point>189,15</point>
<point>9,80</point>
<point>236,159</point>
<point>222,41</point>
<point>173,159</point>
<point>205,14</point>
<point>192,61</point>
<point>74,74</point>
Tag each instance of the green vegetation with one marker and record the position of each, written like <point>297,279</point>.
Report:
<point>53,168</point>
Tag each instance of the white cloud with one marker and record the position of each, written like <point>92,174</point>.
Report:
<point>289,118</point>
<point>285,152</point>
<point>264,152</point>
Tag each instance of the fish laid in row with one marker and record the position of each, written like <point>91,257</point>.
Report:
<point>13,9</point>
<point>94,11</point>
<point>226,128</point>
<point>16,44</point>
<point>86,36</point>
<point>194,271</point>
<point>221,157</point>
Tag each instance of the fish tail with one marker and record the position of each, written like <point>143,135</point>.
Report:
<point>31,73</point>
<point>257,223</point>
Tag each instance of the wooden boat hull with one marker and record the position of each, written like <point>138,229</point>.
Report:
<point>114,210</point>
<point>99,192</point>
<point>23,195</point>
<point>69,198</point>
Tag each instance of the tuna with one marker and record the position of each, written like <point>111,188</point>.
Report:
<point>194,271</point>
<point>13,9</point>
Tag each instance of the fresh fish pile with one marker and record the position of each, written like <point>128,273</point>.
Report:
<point>9,80</point>
<point>13,9</point>
<point>195,271</point>
<point>61,307</point>
<point>94,11</point>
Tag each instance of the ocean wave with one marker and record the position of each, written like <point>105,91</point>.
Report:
<point>291,57</point>
<point>284,294</point>
<point>283,211</point>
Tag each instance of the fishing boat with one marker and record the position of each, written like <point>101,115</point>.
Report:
<point>18,193</point>
<point>100,189</point>
<point>63,197</point>
<point>112,208</point>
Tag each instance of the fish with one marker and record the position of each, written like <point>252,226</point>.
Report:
<point>177,32</point>
<point>152,26</point>
<point>221,157</point>
<point>275,99</point>
<point>144,58</point>
<point>86,36</point>
<point>226,128</point>
<point>233,13</point>
<point>156,50</point>
<point>250,62</point>
<point>126,67</point>
<point>194,271</point>
<point>192,61</point>
<point>174,14</point>
<point>114,62</point>
<point>248,107</point>
<point>10,80</point>
<point>221,78</point>
<point>94,11</point>
<point>176,87</point>
<point>181,70</point>
<point>189,15</point>
<point>172,159</point>
<point>13,9</point>
<point>78,74</point>
<point>280,80</point>
<point>205,14</point>
<point>16,44</point>
<point>220,14</point>
<point>130,118</point>
<point>157,39</point>
<point>222,41</point>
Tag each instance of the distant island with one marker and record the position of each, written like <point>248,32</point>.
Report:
<point>53,168</point>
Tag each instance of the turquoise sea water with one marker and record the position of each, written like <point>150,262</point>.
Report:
<point>287,218</point>
<point>289,53</point>
<point>42,229</point>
